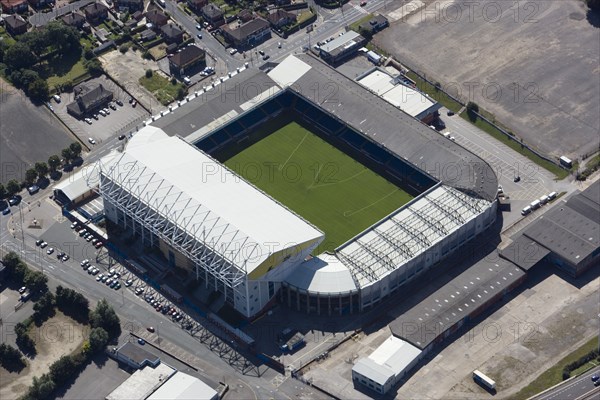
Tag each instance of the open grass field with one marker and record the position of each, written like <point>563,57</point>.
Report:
<point>330,189</point>
<point>164,91</point>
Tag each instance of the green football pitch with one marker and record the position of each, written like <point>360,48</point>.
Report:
<point>327,187</point>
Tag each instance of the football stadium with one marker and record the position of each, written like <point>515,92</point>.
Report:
<point>297,185</point>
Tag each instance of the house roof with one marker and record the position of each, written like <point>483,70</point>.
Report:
<point>12,3</point>
<point>156,17</point>
<point>85,96</point>
<point>212,10</point>
<point>95,8</point>
<point>15,21</point>
<point>279,14</point>
<point>171,30</point>
<point>187,55</point>
<point>73,18</point>
<point>247,29</point>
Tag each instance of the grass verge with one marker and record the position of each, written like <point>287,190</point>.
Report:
<point>515,145</point>
<point>554,375</point>
<point>164,91</point>
<point>433,92</point>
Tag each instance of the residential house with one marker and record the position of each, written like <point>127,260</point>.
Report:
<point>129,5</point>
<point>280,18</point>
<point>95,13</point>
<point>196,5</point>
<point>89,99</point>
<point>15,25</point>
<point>37,4</point>
<point>14,6</point>
<point>188,58</point>
<point>73,19</point>
<point>138,15</point>
<point>157,18</point>
<point>212,14</point>
<point>172,34</point>
<point>249,33</point>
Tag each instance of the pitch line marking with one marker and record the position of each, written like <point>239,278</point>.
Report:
<point>351,213</point>
<point>292,154</point>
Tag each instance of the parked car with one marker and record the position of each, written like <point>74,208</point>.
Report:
<point>517,179</point>
<point>261,52</point>
<point>95,116</point>
<point>39,242</point>
<point>141,341</point>
<point>199,36</point>
<point>119,102</point>
<point>363,3</point>
<point>133,104</point>
<point>266,57</point>
<point>121,137</point>
<point>22,290</point>
<point>91,140</point>
<point>129,282</point>
<point>102,112</point>
<point>65,257</point>
<point>150,329</point>
<point>43,245</point>
<point>232,51</point>
<point>99,278</point>
<point>112,106</point>
<point>14,200</point>
<point>50,250</point>
<point>56,98</point>
<point>33,189</point>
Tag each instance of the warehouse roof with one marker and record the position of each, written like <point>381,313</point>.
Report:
<point>207,200</point>
<point>142,383</point>
<point>524,252</point>
<point>183,387</point>
<point>465,295</point>
<point>390,359</point>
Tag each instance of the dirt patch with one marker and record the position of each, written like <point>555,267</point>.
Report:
<point>58,336</point>
<point>127,69</point>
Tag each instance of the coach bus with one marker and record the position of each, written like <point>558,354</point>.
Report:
<point>484,380</point>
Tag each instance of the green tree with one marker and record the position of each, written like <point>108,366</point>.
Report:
<point>36,281</point>
<point>123,48</point>
<point>62,369</point>
<point>94,67</point>
<point>67,154</point>
<point>73,304</point>
<point>180,93</point>
<point>53,162</point>
<point>44,307</point>
<point>25,343</point>
<point>593,4</point>
<point>2,191</point>
<point>41,168</point>
<point>75,149</point>
<point>105,317</point>
<point>472,110</point>
<point>19,55</point>
<point>98,339</point>
<point>11,260</point>
<point>41,388</point>
<point>10,358</point>
<point>30,175</point>
<point>63,37</point>
<point>13,187</point>
<point>38,90</point>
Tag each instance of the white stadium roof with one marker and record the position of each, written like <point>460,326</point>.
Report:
<point>84,180</point>
<point>407,99</point>
<point>323,274</point>
<point>202,196</point>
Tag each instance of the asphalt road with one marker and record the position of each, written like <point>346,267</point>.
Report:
<point>134,312</point>
<point>580,387</point>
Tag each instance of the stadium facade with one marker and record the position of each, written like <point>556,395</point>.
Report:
<point>250,248</point>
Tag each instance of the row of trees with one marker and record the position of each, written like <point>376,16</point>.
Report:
<point>24,341</point>
<point>19,272</point>
<point>41,170</point>
<point>68,366</point>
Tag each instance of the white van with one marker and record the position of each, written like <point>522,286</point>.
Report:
<point>552,196</point>
<point>544,199</point>
<point>526,210</point>
<point>187,80</point>
<point>535,204</point>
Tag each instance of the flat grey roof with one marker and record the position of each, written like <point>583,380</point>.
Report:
<point>465,294</point>
<point>566,232</point>
<point>407,137</point>
<point>211,105</point>
<point>524,252</point>
<point>137,353</point>
<point>593,192</point>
